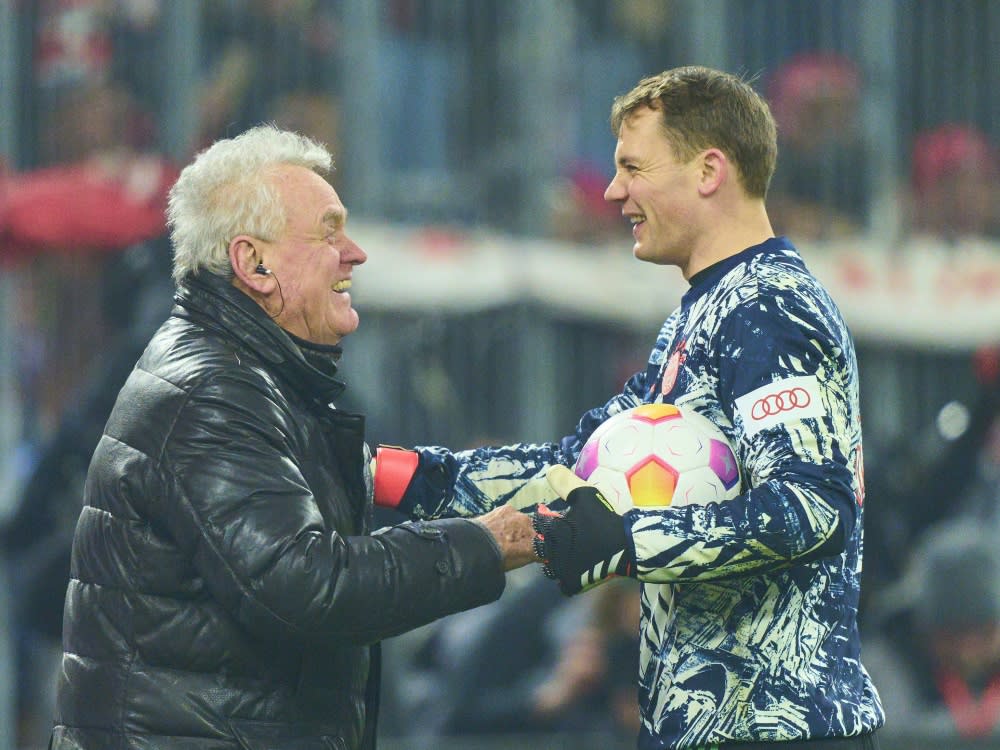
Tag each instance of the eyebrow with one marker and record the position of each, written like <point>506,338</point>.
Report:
<point>623,157</point>
<point>335,217</point>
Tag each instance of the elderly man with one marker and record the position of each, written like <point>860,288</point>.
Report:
<point>226,588</point>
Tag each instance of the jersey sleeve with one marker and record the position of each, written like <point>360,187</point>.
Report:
<point>472,482</point>
<point>788,382</point>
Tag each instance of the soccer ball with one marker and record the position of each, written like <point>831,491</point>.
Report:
<point>657,455</point>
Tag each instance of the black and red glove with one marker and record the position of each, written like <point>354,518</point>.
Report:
<point>586,545</point>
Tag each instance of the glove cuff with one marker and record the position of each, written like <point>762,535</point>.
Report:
<point>394,469</point>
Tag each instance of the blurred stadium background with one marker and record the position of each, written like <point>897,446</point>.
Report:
<point>473,146</point>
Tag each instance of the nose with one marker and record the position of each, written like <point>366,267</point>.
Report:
<point>352,253</point>
<point>615,191</point>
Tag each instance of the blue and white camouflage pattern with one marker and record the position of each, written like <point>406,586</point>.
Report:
<point>749,606</point>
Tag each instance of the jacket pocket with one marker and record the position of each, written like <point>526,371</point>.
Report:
<point>272,735</point>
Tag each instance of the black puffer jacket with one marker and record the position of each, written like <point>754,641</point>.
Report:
<point>225,590</point>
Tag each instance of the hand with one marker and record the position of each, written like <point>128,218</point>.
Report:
<point>514,532</point>
<point>586,545</point>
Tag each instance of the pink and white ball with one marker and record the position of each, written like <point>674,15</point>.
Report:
<point>656,455</point>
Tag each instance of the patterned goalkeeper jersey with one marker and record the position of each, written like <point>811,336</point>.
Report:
<point>749,606</point>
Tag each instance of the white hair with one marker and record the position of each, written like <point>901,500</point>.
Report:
<point>225,192</point>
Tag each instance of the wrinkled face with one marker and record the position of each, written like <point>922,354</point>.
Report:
<point>657,192</point>
<point>313,260</point>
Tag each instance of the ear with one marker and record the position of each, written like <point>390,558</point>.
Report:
<point>243,257</point>
<point>714,171</point>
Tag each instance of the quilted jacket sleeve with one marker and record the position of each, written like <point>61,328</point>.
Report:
<point>237,500</point>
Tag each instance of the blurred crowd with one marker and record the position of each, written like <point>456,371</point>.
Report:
<point>82,240</point>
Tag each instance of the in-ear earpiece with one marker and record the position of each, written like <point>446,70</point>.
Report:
<point>262,270</point>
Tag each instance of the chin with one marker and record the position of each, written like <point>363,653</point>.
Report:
<point>346,330</point>
<point>642,254</point>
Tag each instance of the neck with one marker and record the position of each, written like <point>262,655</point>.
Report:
<point>730,233</point>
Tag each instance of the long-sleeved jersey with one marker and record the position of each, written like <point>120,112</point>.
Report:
<point>749,606</point>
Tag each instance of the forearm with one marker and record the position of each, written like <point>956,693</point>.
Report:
<point>431,482</point>
<point>766,529</point>
<point>363,589</point>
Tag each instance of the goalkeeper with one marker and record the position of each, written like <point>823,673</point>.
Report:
<point>749,630</point>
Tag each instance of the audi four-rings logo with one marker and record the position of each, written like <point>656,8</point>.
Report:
<point>775,403</point>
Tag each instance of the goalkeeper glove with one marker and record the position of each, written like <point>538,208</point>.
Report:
<point>586,545</point>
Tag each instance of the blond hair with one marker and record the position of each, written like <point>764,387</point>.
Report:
<point>703,108</point>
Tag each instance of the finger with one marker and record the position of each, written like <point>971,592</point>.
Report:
<point>538,545</point>
<point>563,480</point>
<point>541,521</point>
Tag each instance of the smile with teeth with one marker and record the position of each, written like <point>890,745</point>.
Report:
<point>342,286</point>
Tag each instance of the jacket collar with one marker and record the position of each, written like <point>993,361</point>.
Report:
<point>217,304</point>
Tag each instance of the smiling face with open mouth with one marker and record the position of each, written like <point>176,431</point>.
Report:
<point>658,193</point>
<point>313,260</point>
